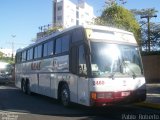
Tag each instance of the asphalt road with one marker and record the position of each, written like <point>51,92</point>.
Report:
<point>15,105</point>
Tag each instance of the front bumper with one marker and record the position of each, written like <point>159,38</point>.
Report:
<point>138,95</point>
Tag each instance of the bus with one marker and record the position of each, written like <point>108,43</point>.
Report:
<point>88,65</point>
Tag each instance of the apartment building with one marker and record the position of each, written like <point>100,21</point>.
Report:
<point>66,13</point>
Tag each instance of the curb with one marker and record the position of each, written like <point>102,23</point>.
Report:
<point>149,105</point>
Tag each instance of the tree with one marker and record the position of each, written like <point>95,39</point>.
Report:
<point>1,54</point>
<point>120,17</point>
<point>150,36</point>
<point>112,2</point>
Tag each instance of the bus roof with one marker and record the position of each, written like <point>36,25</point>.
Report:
<point>96,27</point>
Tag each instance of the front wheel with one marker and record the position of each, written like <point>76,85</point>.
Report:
<point>65,95</point>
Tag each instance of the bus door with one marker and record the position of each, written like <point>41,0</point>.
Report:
<point>78,67</point>
<point>83,89</point>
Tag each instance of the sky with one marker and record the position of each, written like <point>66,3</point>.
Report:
<point>20,19</point>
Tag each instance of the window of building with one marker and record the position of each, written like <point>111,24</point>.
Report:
<point>77,22</point>
<point>77,14</point>
<point>59,8</point>
<point>59,18</point>
<point>87,14</point>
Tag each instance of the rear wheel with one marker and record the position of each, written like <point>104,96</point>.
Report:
<point>65,95</point>
<point>28,91</point>
<point>23,86</point>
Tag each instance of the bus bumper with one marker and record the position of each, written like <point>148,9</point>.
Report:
<point>115,98</point>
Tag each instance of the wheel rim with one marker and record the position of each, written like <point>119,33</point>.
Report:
<point>65,97</point>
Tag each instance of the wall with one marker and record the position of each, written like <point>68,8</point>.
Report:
<point>151,64</point>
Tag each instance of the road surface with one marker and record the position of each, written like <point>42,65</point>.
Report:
<point>15,105</point>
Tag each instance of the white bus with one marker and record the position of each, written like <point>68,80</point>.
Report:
<point>88,65</point>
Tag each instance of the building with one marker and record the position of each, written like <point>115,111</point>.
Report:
<point>66,13</point>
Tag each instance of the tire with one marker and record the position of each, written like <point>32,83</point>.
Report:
<point>65,95</point>
<point>28,91</point>
<point>23,86</point>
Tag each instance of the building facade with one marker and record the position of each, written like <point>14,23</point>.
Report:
<point>66,13</point>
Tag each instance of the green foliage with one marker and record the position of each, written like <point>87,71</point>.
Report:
<point>147,11</point>
<point>154,28</point>
<point>118,16</point>
<point>53,29</point>
<point>7,59</point>
<point>113,2</point>
<point>1,54</point>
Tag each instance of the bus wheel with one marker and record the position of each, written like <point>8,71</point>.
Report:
<point>23,86</point>
<point>28,91</point>
<point>65,95</point>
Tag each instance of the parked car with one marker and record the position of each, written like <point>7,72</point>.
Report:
<point>5,72</point>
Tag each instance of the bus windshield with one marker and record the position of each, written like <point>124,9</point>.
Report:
<point>110,60</point>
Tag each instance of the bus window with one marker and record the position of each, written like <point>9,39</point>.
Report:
<point>74,60</point>
<point>62,44</point>
<point>18,57</point>
<point>30,54</point>
<point>65,43</point>
<point>23,56</point>
<point>38,52</point>
<point>48,49</point>
<point>45,49</point>
<point>58,46</point>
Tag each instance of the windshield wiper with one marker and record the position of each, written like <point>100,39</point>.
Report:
<point>122,64</point>
<point>113,73</point>
<point>126,65</point>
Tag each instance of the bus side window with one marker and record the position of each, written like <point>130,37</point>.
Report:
<point>74,60</point>
<point>30,54</point>
<point>38,51</point>
<point>62,44</point>
<point>82,62</point>
<point>18,57</point>
<point>24,56</point>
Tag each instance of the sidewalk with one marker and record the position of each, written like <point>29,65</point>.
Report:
<point>153,96</point>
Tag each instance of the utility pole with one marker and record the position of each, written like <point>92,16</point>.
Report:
<point>148,17</point>
<point>13,36</point>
